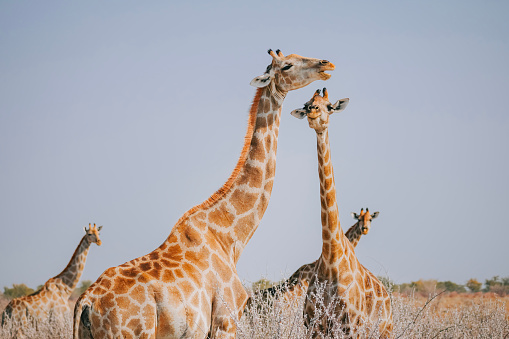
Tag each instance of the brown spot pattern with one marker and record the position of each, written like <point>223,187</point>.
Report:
<point>221,216</point>
<point>243,201</point>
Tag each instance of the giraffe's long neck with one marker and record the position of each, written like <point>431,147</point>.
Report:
<point>334,241</point>
<point>251,191</point>
<point>354,234</point>
<point>71,274</point>
<point>235,210</point>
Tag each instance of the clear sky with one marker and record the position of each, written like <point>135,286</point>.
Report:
<point>128,113</point>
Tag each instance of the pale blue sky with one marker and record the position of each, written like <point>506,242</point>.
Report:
<point>128,113</point>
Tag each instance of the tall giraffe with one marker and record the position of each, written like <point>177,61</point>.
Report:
<point>360,297</point>
<point>189,287</point>
<point>297,284</point>
<point>51,301</point>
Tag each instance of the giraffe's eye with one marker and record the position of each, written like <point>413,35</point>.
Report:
<point>287,67</point>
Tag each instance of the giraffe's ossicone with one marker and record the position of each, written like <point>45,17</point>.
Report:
<point>189,287</point>
<point>51,301</point>
<point>356,296</point>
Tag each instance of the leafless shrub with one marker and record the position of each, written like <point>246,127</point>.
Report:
<point>53,328</point>
<point>272,316</point>
<point>280,317</point>
<point>276,317</point>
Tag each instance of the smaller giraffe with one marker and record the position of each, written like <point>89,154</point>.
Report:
<point>51,301</point>
<point>356,296</point>
<point>297,284</point>
<point>361,227</point>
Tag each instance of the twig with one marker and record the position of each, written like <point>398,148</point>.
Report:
<point>442,330</point>
<point>419,313</point>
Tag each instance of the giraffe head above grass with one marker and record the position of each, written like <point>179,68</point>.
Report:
<point>318,110</point>
<point>288,73</point>
<point>93,234</point>
<point>364,219</point>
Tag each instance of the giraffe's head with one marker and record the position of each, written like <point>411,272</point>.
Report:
<point>318,110</point>
<point>92,234</point>
<point>287,73</point>
<point>365,219</point>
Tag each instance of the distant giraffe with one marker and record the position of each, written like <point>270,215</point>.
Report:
<point>361,298</point>
<point>189,287</point>
<point>51,301</point>
<point>297,284</point>
<point>361,227</point>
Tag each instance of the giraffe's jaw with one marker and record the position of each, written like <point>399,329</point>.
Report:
<point>324,76</point>
<point>328,67</point>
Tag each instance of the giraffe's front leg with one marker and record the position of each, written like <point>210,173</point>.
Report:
<point>227,312</point>
<point>223,327</point>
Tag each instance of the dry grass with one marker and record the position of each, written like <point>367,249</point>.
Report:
<point>453,300</point>
<point>448,315</point>
<point>54,328</point>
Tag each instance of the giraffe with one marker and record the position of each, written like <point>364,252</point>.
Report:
<point>51,301</point>
<point>361,227</point>
<point>356,295</point>
<point>189,286</point>
<point>297,284</point>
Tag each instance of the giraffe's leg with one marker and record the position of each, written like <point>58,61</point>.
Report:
<point>223,327</point>
<point>225,317</point>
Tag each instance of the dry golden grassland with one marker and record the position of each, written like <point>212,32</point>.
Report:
<point>443,303</point>
<point>447,315</point>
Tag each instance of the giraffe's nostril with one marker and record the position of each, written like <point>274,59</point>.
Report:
<point>324,62</point>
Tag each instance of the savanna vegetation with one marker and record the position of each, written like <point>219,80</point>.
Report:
<point>421,309</point>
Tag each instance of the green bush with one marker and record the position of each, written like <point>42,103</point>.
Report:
<point>497,285</point>
<point>427,287</point>
<point>388,283</point>
<point>473,285</point>
<point>261,284</point>
<point>450,287</point>
<point>17,290</point>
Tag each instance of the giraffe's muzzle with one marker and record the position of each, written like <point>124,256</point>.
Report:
<point>325,65</point>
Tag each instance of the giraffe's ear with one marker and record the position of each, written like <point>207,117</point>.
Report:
<point>340,105</point>
<point>99,228</point>
<point>261,81</point>
<point>374,215</point>
<point>299,113</point>
<point>355,215</point>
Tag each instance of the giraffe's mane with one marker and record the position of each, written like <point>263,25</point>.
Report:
<point>240,163</point>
